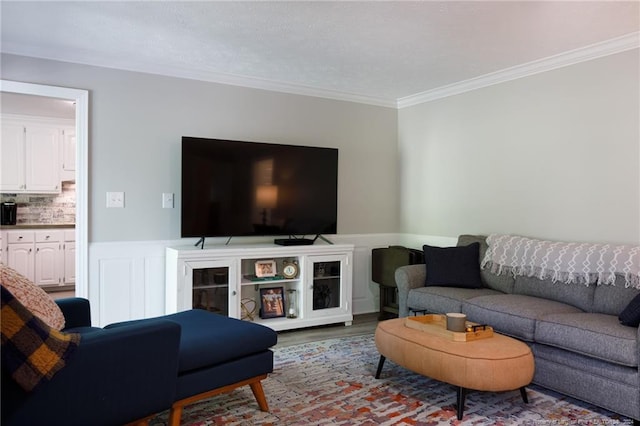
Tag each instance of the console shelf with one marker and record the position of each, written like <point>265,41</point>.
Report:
<point>221,279</point>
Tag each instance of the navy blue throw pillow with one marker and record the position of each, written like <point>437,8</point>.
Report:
<point>631,314</point>
<point>453,266</point>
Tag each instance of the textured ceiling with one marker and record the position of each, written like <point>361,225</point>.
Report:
<point>376,50</point>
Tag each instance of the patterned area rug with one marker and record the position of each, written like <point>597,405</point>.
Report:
<point>332,382</point>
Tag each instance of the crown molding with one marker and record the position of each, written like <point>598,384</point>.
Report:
<point>268,85</point>
<point>594,51</point>
<point>201,75</point>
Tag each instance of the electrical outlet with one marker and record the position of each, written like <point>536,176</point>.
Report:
<point>115,200</point>
<point>167,200</point>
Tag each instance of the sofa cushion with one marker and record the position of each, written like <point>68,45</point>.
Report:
<point>630,316</point>
<point>453,266</point>
<point>513,314</point>
<point>582,366</point>
<point>503,283</point>
<point>440,300</point>
<point>612,299</point>
<point>595,335</point>
<point>574,294</point>
<point>32,297</point>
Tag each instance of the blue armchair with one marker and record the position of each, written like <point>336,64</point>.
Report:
<point>116,376</point>
<point>131,370</point>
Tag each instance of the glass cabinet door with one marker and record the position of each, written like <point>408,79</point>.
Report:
<point>210,289</point>
<point>327,284</point>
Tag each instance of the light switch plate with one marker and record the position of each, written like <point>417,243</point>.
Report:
<point>115,200</point>
<point>167,200</point>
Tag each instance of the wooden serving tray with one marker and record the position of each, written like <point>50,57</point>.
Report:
<point>437,325</point>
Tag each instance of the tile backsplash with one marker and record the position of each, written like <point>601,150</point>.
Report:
<point>45,208</point>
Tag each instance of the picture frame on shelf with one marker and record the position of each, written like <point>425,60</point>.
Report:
<point>265,268</point>
<point>272,302</point>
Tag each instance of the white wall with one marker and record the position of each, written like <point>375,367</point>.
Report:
<point>554,155</point>
<point>135,129</point>
<point>137,121</point>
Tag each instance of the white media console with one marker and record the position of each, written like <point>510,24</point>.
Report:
<point>223,279</point>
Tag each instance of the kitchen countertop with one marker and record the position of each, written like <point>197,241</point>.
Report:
<point>38,226</point>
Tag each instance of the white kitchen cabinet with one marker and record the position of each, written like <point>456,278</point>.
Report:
<point>12,152</point>
<point>20,252</point>
<point>30,155</point>
<point>20,257</point>
<point>223,280</point>
<point>69,250</point>
<point>43,256</point>
<point>42,161</point>
<point>68,154</point>
<point>3,247</point>
<point>48,261</point>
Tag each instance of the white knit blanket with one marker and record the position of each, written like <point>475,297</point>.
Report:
<point>565,262</point>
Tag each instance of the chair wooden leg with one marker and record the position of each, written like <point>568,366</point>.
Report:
<point>258,392</point>
<point>256,387</point>
<point>175,415</point>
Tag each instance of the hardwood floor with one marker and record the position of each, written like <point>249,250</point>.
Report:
<point>362,324</point>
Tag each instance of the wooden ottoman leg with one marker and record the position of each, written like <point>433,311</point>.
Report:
<point>462,393</point>
<point>523,392</point>
<point>258,393</point>
<point>380,364</point>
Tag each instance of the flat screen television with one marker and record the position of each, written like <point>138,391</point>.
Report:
<point>235,188</point>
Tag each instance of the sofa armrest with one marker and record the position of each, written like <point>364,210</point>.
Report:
<point>407,278</point>
<point>114,377</point>
<point>76,311</point>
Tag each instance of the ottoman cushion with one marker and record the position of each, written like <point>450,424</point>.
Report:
<point>208,339</point>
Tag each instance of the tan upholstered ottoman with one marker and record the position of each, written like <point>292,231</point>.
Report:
<point>497,363</point>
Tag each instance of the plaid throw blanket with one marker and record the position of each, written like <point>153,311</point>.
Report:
<point>32,352</point>
<point>565,262</point>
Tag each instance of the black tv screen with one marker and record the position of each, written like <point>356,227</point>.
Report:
<point>235,188</point>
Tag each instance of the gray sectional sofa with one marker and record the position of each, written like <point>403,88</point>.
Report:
<point>579,346</point>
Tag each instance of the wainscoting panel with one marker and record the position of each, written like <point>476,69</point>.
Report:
<point>116,290</point>
<point>127,279</point>
<point>365,293</point>
<point>154,285</point>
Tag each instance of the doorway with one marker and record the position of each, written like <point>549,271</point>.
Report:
<point>81,100</point>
